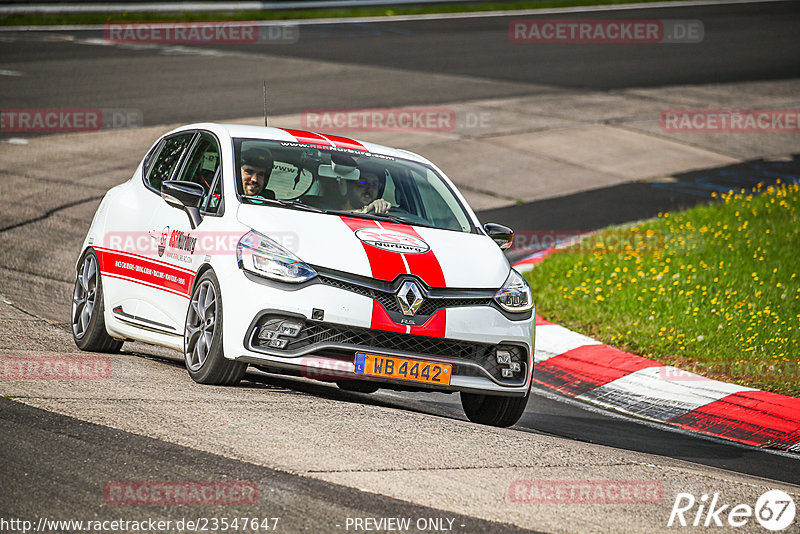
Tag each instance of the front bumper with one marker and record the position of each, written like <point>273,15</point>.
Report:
<point>336,323</point>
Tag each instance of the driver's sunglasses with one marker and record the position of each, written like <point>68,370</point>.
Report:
<point>369,183</point>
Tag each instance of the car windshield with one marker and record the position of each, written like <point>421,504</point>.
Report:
<point>339,181</point>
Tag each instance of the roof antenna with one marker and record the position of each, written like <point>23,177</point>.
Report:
<point>265,103</point>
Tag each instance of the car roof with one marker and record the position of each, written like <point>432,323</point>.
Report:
<point>303,136</point>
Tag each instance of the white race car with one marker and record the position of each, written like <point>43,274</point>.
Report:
<point>312,255</point>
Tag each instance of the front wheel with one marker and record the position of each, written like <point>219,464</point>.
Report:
<point>88,321</point>
<point>202,339</point>
<point>493,410</point>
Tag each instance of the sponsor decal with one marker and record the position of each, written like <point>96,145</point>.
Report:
<point>162,242</point>
<point>141,270</point>
<point>175,239</point>
<point>392,240</point>
<point>183,241</point>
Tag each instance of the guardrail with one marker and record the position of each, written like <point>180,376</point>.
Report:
<point>57,8</point>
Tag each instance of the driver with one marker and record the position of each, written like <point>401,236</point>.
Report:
<point>362,196</point>
<point>256,167</point>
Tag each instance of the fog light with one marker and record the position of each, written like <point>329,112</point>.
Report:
<point>503,356</point>
<point>266,335</point>
<point>278,343</point>
<point>290,328</point>
<point>507,373</point>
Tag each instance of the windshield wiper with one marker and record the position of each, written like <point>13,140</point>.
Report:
<point>393,218</point>
<point>282,202</point>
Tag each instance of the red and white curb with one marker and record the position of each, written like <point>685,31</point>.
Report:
<point>584,368</point>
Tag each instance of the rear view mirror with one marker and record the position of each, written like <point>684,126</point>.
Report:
<point>502,235</point>
<point>187,196</point>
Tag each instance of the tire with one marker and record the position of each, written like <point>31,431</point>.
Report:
<point>493,410</point>
<point>357,386</point>
<point>202,337</point>
<point>88,319</point>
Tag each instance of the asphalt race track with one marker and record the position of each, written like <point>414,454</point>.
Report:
<point>413,63</point>
<point>60,447</point>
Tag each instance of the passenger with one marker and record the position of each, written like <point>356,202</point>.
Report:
<point>362,196</point>
<point>256,168</point>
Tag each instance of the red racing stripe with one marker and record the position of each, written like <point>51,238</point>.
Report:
<point>434,327</point>
<point>425,265</point>
<point>139,269</point>
<point>308,137</point>
<point>344,142</point>
<point>583,369</point>
<point>382,321</point>
<point>385,265</point>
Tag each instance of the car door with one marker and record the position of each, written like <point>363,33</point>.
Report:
<point>179,247</point>
<point>140,286</point>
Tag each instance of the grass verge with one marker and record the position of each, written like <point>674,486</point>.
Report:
<point>186,16</point>
<point>713,289</point>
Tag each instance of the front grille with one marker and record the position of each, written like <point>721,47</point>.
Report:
<point>313,334</point>
<point>316,333</point>
<point>389,302</point>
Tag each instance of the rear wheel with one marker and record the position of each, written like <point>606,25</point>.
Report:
<point>88,321</point>
<point>493,410</point>
<point>202,339</point>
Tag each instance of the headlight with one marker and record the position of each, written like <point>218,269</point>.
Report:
<point>258,254</point>
<point>515,295</point>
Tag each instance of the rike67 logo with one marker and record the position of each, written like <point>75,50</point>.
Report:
<point>774,510</point>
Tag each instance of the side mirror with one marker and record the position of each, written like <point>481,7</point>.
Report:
<point>186,196</point>
<point>502,235</point>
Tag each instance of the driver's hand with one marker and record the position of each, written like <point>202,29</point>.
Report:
<point>378,206</point>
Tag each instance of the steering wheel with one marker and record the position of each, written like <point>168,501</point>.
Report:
<point>405,214</point>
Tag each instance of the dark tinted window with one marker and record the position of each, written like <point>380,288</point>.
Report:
<point>201,168</point>
<point>168,159</point>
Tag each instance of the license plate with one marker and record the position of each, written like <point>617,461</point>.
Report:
<point>403,368</point>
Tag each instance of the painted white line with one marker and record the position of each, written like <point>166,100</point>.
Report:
<point>553,340</point>
<point>660,393</point>
<point>17,141</point>
<point>4,72</point>
<point>442,16</point>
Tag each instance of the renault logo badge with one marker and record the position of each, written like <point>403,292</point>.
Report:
<point>409,297</point>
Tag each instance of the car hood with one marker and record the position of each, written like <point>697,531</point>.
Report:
<point>381,249</point>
